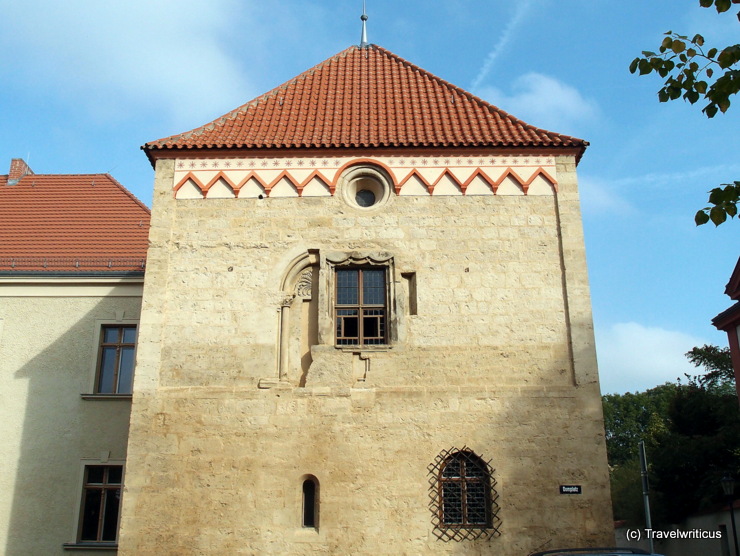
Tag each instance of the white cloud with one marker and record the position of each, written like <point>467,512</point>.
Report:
<point>112,57</point>
<point>544,101</point>
<point>634,357</point>
<point>669,180</point>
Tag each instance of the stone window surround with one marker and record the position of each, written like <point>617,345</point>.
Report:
<point>336,261</point>
<point>315,264</point>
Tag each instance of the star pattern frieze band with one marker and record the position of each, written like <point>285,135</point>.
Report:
<point>311,176</point>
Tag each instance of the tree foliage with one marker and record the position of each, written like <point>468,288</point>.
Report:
<point>632,417</point>
<point>724,200</point>
<point>692,437</point>
<point>694,71</point>
<point>702,444</point>
<point>717,363</point>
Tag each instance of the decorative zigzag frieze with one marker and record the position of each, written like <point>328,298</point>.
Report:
<point>229,178</point>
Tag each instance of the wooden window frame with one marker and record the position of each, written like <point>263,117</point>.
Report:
<point>363,310</point>
<point>119,344</point>
<point>105,487</point>
<point>481,480</point>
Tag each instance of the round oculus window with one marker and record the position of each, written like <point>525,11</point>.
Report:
<point>365,198</point>
<point>365,187</point>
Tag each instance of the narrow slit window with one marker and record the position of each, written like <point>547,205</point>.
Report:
<point>310,503</point>
<point>410,278</point>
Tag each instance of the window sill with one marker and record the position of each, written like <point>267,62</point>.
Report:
<point>106,396</point>
<point>357,347</point>
<point>90,546</point>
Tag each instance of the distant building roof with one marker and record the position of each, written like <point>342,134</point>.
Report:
<point>366,97</point>
<point>69,223</point>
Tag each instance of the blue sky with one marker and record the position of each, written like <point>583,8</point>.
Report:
<point>85,83</point>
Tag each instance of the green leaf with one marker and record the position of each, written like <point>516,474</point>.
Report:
<point>633,65</point>
<point>678,46</point>
<point>717,215</point>
<point>712,53</point>
<point>701,218</point>
<point>698,40</point>
<point>709,72</point>
<point>722,5</point>
<point>710,110</point>
<point>716,196</point>
<point>729,56</point>
<point>691,52</point>
<point>705,3</point>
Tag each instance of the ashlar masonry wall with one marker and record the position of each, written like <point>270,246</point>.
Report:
<point>240,392</point>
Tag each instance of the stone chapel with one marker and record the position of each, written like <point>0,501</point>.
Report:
<point>365,329</point>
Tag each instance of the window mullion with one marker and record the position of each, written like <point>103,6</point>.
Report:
<point>464,493</point>
<point>119,354</point>
<point>103,504</point>
<point>360,309</point>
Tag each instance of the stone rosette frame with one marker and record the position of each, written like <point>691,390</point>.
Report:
<point>445,532</point>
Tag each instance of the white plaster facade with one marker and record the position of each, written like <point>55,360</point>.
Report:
<point>52,427</point>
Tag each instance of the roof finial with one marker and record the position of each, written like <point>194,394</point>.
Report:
<point>363,17</point>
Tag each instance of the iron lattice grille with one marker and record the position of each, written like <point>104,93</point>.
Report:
<point>462,497</point>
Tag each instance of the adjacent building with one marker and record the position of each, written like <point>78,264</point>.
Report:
<point>72,256</point>
<point>729,321</point>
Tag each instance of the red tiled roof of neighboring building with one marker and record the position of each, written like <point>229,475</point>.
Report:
<point>71,223</point>
<point>366,97</point>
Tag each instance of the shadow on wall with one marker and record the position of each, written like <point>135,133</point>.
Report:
<point>48,352</point>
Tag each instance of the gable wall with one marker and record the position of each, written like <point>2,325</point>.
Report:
<point>499,357</point>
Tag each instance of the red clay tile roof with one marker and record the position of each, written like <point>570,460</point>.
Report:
<point>366,97</point>
<point>62,223</point>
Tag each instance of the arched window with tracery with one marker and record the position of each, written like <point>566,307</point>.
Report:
<point>463,498</point>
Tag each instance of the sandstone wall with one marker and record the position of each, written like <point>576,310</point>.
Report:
<point>492,348</point>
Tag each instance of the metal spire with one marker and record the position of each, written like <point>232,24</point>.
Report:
<point>363,17</point>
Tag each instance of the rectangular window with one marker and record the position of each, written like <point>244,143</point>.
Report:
<point>116,360</point>
<point>361,306</point>
<point>101,503</point>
